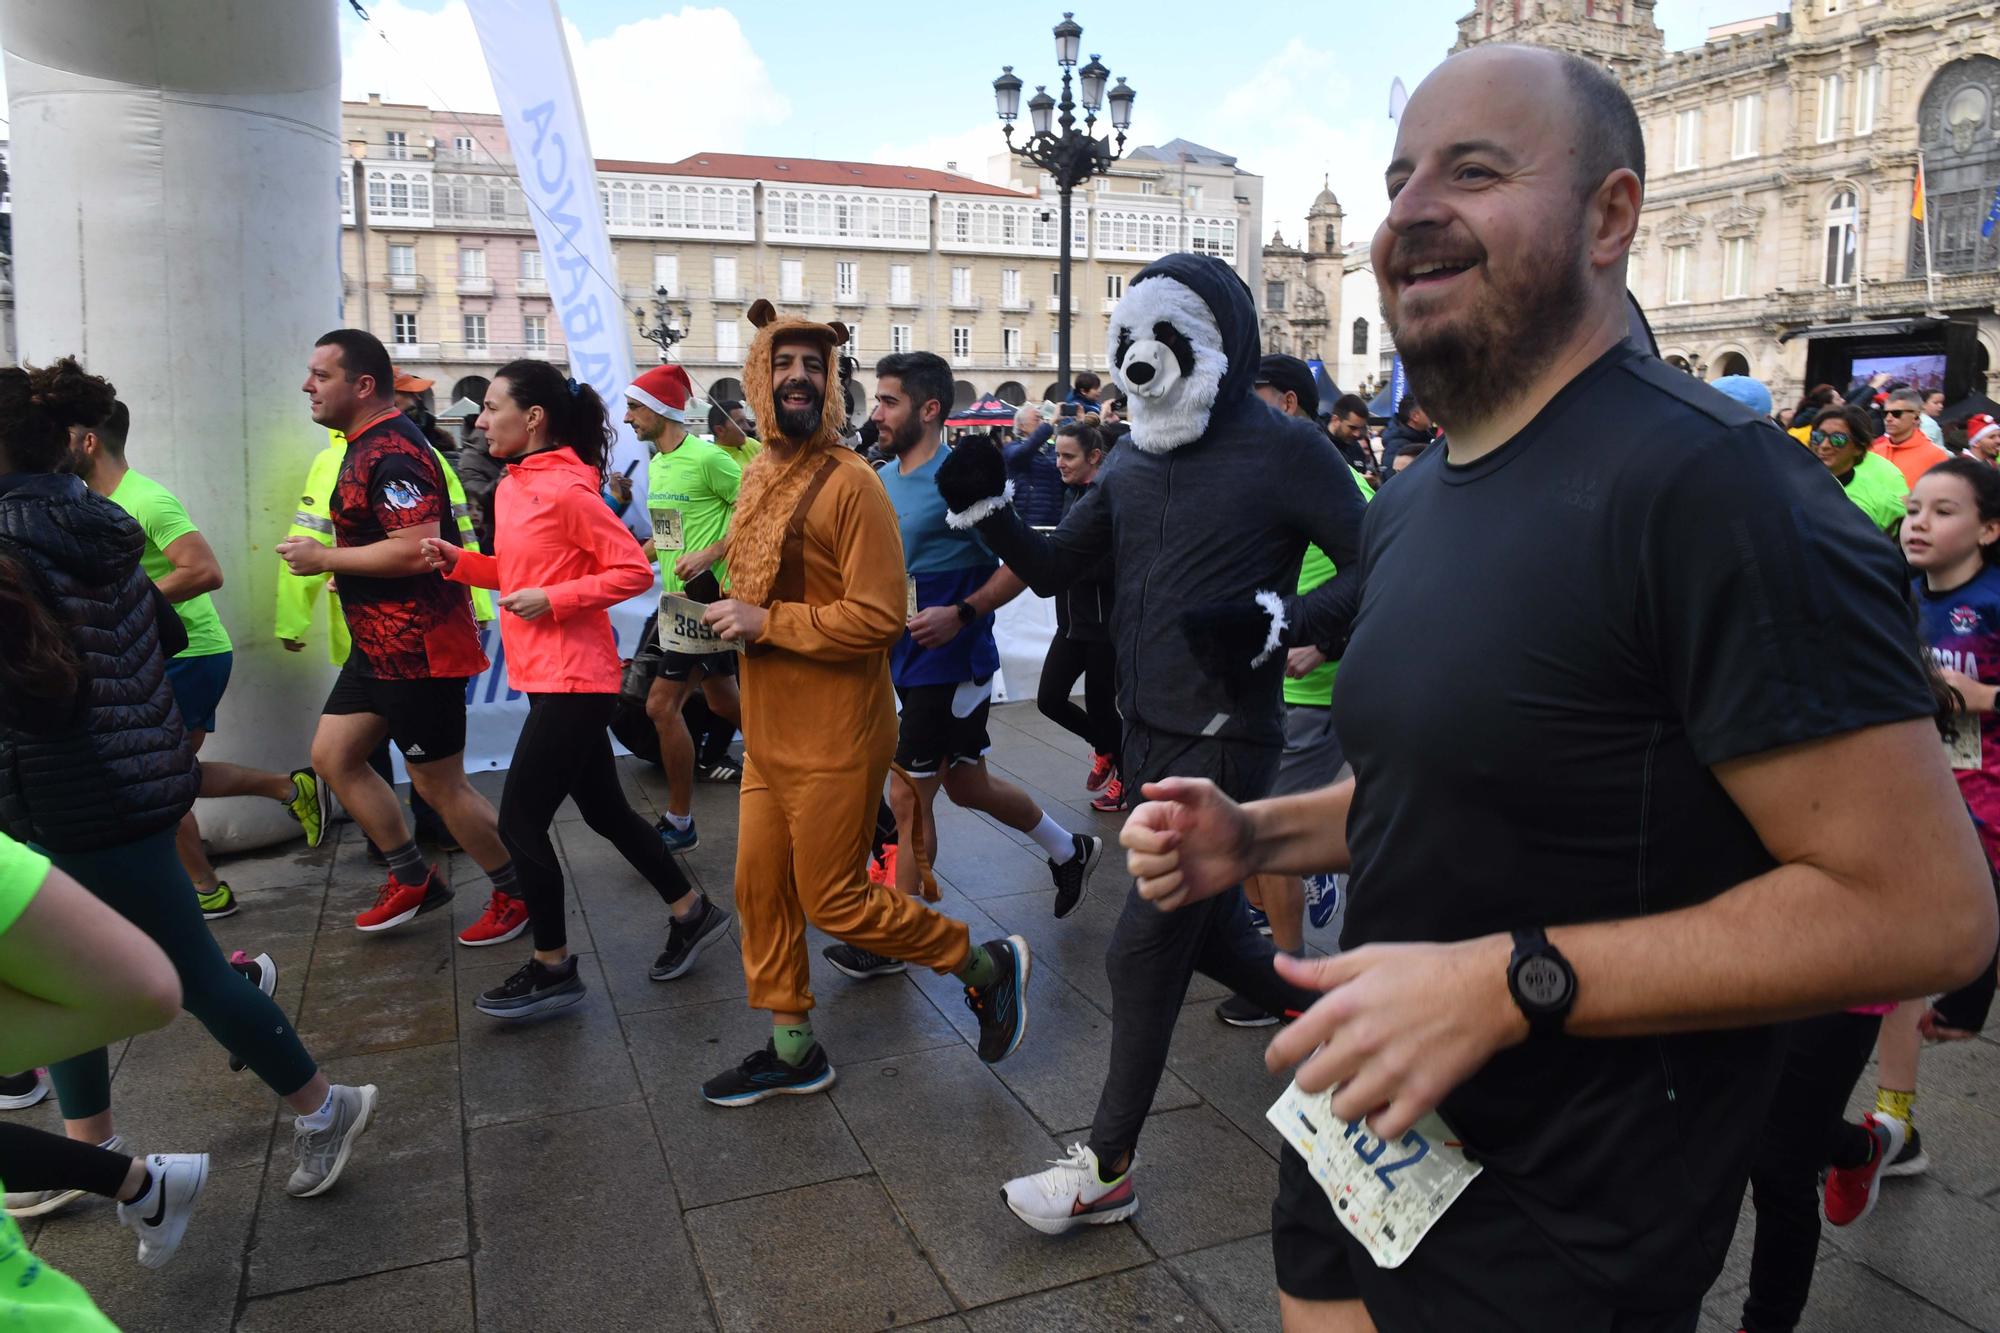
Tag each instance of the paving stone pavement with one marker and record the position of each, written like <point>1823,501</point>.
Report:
<point>566,1175</point>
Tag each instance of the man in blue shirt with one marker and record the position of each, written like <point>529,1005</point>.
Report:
<point>943,666</point>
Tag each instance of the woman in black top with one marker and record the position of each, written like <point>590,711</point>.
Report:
<point>1082,645</point>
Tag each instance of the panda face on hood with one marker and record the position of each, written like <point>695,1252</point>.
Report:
<point>1184,345</point>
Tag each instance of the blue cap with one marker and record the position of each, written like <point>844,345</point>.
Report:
<point>1747,391</point>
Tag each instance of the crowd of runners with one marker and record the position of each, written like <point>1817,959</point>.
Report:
<point>1586,734</point>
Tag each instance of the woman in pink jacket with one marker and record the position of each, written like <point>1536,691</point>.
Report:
<point>564,558</point>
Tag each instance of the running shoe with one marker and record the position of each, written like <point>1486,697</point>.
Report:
<point>686,940</point>
<point>1101,769</point>
<point>722,770</point>
<point>1240,1012</point>
<point>504,919</point>
<point>1071,1194</point>
<point>678,839</point>
<point>1258,921</point>
<point>1072,877</point>
<point>536,988</point>
<point>1912,1160</point>
<point>320,1155</point>
<point>860,964</point>
<point>762,1074</point>
<point>160,1215</point>
<point>1112,799</point>
<point>1851,1190</point>
<point>261,972</point>
<point>399,902</point>
<point>311,804</point>
<point>1323,894</point>
<point>217,903</point>
<point>1002,1006</point>
<point>20,1091</point>
<point>40,1203</point>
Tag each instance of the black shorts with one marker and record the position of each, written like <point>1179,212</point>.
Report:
<point>943,725</point>
<point>426,717</point>
<point>680,666</point>
<point>1482,1266</point>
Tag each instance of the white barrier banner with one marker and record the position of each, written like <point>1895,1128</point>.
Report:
<point>528,58</point>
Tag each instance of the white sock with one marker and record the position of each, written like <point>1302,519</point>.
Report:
<point>323,1117</point>
<point>680,822</point>
<point>1054,839</point>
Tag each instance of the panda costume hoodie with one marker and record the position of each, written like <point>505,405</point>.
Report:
<point>1207,507</point>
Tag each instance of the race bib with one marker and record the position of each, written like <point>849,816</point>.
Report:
<point>681,630</point>
<point>910,597</point>
<point>668,535</point>
<point>1965,751</point>
<point>1387,1195</point>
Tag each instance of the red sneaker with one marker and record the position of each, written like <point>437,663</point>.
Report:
<point>1100,772</point>
<point>1112,798</point>
<point>399,902</point>
<point>1851,1190</point>
<point>504,918</point>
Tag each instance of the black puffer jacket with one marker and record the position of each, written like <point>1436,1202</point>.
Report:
<point>116,766</point>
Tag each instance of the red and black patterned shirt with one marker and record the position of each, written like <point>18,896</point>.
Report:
<point>418,626</point>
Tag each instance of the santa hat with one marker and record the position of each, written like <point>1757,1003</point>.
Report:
<point>664,389</point>
<point>1978,427</point>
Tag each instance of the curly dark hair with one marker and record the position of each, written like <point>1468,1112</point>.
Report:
<point>38,406</point>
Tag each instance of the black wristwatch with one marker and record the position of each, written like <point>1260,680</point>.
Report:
<point>966,615</point>
<point>1542,983</point>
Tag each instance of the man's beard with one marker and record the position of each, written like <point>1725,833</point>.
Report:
<point>1500,343</point>
<point>798,423</point>
<point>80,465</point>
<point>904,438</point>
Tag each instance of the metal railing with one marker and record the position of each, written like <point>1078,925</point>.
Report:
<point>405,282</point>
<point>470,285</point>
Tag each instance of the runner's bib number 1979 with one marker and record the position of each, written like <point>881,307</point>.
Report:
<point>668,529</point>
<point>1964,749</point>
<point>681,630</point>
<point>1387,1195</point>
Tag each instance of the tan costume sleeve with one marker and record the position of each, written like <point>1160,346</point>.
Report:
<point>867,544</point>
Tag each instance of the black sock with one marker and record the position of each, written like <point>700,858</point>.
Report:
<point>145,1188</point>
<point>503,880</point>
<point>407,864</point>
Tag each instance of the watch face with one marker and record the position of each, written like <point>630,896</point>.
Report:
<point>1542,982</point>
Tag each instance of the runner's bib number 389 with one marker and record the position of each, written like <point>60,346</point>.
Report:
<point>1387,1195</point>
<point>681,630</point>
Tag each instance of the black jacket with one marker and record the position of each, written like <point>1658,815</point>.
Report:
<point>1395,435</point>
<point>1038,488</point>
<point>1083,610</point>
<point>479,473</point>
<point>113,765</point>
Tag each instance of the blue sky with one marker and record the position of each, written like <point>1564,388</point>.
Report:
<point>1292,94</point>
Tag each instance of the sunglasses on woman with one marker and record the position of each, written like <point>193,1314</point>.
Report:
<point>1831,439</point>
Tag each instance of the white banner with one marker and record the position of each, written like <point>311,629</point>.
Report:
<point>527,56</point>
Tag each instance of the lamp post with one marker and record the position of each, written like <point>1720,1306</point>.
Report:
<point>667,327</point>
<point>1069,152</point>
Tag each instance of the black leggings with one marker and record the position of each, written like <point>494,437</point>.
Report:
<point>34,1159</point>
<point>1097,662</point>
<point>1805,1130</point>
<point>564,750</point>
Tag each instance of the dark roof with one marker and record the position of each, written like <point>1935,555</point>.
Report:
<point>1173,149</point>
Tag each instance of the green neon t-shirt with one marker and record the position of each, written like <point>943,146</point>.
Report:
<point>742,455</point>
<point>1876,485</point>
<point>690,494</point>
<point>1315,688</point>
<point>165,522</point>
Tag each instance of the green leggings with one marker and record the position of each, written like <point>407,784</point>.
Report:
<point>143,882</point>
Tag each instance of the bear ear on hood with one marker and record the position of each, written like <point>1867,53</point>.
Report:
<point>840,333</point>
<point>761,312</point>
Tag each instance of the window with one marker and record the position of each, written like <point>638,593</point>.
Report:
<point>1736,266</point>
<point>402,260</point>
<point>1010,286</point>
<point>1867,94</point>
<point>961,342</point>
<point>725,280</point>
<point>1114,286</point>
<point>1274,296</point>
<point>791,280</point>
<point>1010,346</point>
<point>404,324</point>
<point>1680,274</point>
<point>1687,140</point>
<point>1746,126</point>
<point>899,286</point>
<point>667,273</point>
<point>1843,220</point>
<point>475,332</point>
<point>1829,108</point>
<point>846,280</point>
<point>854,341</point>
<point>899,338</point>
<point>462,145</point>
<point>961,286</point>
<point>725,337</point>
<point>1146,187</point>
<point>1360,343</point>
<point>1055,284</point>
<point>535,332</point>
<point>398,145</point>
<point>531,265</point>
<point>471,261</point>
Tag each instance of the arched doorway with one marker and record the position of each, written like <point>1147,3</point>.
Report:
<point>963,395</point>
<point>1053,394</point>
<point>1958,132</point>
<point>1010,391</point>
<point>726,388</point>
<point>1679,362</point>
<point>1731,363</point>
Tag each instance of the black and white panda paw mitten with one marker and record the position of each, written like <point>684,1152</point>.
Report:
<point>973,482</point>
<point>1230,640</point>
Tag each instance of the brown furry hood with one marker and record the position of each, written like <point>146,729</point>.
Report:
<point>772,485</point>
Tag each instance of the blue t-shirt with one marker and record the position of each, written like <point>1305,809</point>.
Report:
<point>1962,627</point>
<point>948,565</point>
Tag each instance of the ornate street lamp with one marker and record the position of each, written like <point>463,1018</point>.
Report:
<point>668,327</point>
<point>1070,153</point>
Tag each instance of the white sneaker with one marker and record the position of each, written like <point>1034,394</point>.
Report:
<point>20,1091</point>
<point>1070,1194</point>
<point>40,1203</point>
<point>160,1215</point>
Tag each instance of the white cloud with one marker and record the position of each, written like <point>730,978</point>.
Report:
<point>972,149</point>
<point>656,89</point>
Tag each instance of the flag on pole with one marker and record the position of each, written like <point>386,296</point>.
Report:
<point>1399,97</point>
<point>1917,195</point>
<point>1992,214</point>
